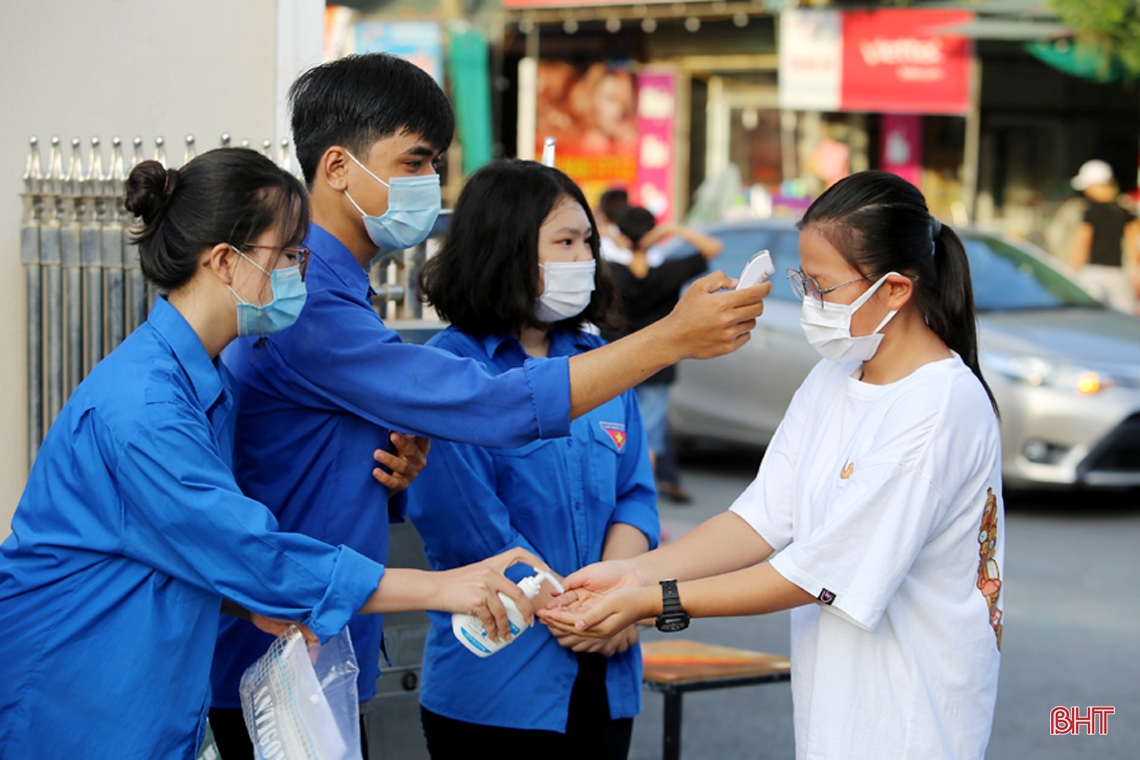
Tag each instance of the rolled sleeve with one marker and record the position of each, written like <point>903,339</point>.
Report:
<point>642,516</point>
<point>354,579</point>
<point>549,381</point>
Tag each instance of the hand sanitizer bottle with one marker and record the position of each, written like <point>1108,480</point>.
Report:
<point>471,632</point>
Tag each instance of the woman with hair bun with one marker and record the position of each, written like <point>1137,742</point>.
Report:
<point>881,491</point>
<point>131,531</point>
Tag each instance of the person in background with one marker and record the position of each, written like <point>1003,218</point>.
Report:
<point>1106,248</point>
<point>647,293</point>
<point>611,204</point>
<point>132,534</point>
<point>369,131</point>
<point>517,278</point>
<point>881,492</point>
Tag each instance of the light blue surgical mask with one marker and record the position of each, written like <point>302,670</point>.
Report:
<point>289,295</point>
<point>413,205</point>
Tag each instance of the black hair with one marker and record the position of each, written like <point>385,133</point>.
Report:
<point>227,195</point>
<point>635,223</point>
<point>879,222</point>
<point>484,278</point>
<point>612,202</point>
<point>359,99</point>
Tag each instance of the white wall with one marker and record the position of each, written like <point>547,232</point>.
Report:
<point>84,68</point>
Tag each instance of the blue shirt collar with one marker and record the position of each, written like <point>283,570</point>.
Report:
<point>336,256</point>
<point>187,347</point>
<point>562,342</point>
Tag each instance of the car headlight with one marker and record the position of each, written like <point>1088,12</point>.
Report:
<point>1048,373</point>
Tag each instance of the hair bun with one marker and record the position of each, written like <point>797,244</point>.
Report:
<point>149,189</point>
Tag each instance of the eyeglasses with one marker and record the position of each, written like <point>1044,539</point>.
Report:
<point>804,285</point>
<point>295,256</point>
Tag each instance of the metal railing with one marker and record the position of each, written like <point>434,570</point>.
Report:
<point>85,289</point>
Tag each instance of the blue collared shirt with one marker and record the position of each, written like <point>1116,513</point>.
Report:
<point>128,534</point>
<point>557,499</point>
<point>317,399</point>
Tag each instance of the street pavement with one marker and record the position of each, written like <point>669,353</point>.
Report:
<point>1071,631</point>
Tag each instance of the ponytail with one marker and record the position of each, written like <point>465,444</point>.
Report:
<point>951,315</point>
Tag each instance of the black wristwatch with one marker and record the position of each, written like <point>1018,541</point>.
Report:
<point>672,618</point>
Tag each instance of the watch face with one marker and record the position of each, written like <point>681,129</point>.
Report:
<point>672,623</point>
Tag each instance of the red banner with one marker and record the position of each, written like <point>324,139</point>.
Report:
<point>896,60</point>
<point>656,111</point>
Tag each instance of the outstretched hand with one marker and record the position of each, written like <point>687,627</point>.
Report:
<point>710,321</point>
<point>594,594</point>
<point>587,585</point>
<point>605,615</point>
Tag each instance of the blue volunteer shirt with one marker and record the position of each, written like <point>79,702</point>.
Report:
<point>317,399</point>
<point>128,534</point>
<point>556,498</point>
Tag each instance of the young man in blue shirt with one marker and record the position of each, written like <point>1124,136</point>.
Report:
<point>316,398</point>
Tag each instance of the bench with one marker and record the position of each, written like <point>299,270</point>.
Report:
<point>677,666</point>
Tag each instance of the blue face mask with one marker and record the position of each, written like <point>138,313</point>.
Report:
<point>288,299</point>
<point>413,205</point>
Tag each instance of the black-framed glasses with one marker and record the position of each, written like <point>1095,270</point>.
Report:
<point>804,285</point>
<point>295,256</point>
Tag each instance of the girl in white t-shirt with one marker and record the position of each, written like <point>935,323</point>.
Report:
<point>881,493</point>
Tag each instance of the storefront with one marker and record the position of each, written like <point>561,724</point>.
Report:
<point>780,106</point>
<point>659,97</point>
<point>651,97</point>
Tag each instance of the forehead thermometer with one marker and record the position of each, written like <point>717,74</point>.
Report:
<point>758,269</point>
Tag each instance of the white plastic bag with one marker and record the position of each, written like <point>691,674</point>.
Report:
<point>299,701</point>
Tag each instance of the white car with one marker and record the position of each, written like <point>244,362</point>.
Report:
<point>1065,369</point>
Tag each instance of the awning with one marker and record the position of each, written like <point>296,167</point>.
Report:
<point>1008,29</point>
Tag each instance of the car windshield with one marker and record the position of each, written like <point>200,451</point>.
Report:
<point>1007,278</point>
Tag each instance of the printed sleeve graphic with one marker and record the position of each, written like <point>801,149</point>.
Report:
<point>989,575</point>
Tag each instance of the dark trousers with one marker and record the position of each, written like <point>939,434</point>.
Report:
<point>232,740</point>
<point>590,733</point>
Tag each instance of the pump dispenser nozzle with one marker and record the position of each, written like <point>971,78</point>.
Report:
<point>471,632</point>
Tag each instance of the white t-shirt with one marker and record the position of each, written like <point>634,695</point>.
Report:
<point>611,251</point>
<point>884,502</point>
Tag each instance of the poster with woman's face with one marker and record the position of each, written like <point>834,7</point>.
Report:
<point>592,113</point>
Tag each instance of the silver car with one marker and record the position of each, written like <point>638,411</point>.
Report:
<point>1064,368</point>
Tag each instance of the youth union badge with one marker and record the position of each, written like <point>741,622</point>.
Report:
<point>616,432</point>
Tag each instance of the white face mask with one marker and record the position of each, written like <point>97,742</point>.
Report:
<point>567,287</point>
<point>829,329</point>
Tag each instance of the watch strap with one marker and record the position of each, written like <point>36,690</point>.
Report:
<point>670,599</point>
